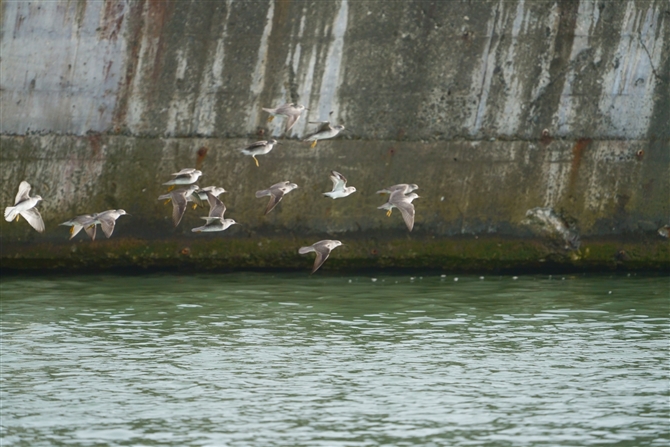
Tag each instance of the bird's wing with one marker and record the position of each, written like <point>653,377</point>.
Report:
<point>24,189</point>
<point>279,185</point>
<point>322,253</point>
<point>107,223</point>
<point>255,145</point>
<point>407,210</point>
<point>339,181</point>
<point>34,219</point>
<point>292,119</point>
<point>184,171</point>
<point>275,197</point>
<point>178,208</point>
<point>216,206</point>
<point>90,230</point>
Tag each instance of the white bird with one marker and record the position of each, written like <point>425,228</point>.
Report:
<point>403,202</point>
<point>215,220</point>
<point>259,148</point>
<point>322,249</point>
<point>107,221</point>
<point>325,131</point>
<point>24,205</point>
<point>290,110</point>
<point>179,198</point>
<point>340,188</point>
<point>404,187</point>
<point>184,177</point>
<point>76,224</point>
<point>276,193</point>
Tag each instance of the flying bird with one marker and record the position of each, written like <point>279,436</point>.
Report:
<point>76,224</point>
<point>290,110</point>
<point>276,193</point>
<point>340,188</point>
<point>179,198</point>
<point>325,131</point>
<point>403,202</point>
<point>107,221</point>
<point>24,205</point>
<point>322,249</point>
<point>215,220</point>
<point>184,177</point>
<point>259,148</point>
<point>404,187</point>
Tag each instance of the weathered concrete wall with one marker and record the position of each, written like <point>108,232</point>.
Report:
<point>102,100</point>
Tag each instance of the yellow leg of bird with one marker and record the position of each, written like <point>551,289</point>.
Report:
<point>166,202</point>
<point>313,144</point>
<point>388,213</point>
<point>71,230</point>
<point>17,217</point>
<point>195,205</point>
<point>170,188</point>
<point>270,118</point>
<point>254,157</point>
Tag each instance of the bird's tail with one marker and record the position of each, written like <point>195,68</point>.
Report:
<point>304,250</point>
<point>263,193</point>
<point>165,197</point>
<point>10,213</point>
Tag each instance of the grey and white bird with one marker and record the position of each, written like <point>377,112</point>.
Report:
<point>76,224</point>
<point>290,110</point>
<point>276,193</point>
<point>340,188</point>
<point>259,148</point>
<point>184,177</point>
<point>24,205</point>
<point>179,198</point>
<point>403,202</point>
<point>325,131</point>
<point>322,250</point>
<point>200,196</point>
<point>406,188</point>
<point>107,220</point>
<point>215,220</point>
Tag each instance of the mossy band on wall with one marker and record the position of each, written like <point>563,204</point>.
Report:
<point>474,196</point>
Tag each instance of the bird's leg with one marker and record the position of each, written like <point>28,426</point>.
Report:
<point>71,230</point>
<point>167,201</point>
<point>270,118</point>
<point>195,205</point>
<point>313,144</point>
<point>17,217</point>
<point>170,188</point>
<point>254,157</point>
<point>388,213</point>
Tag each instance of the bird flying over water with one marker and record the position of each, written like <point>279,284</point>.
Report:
<point>276,193</point>
<point>107,221</point>
<point>403,202</point>
<point>76,224</point>
<point>289,110</point>
<point>259,148</point>
<point>24,205</point>
<point>322,249</point>
<point>215,220</point>
<point>179,198</point>
<point>340,188</point>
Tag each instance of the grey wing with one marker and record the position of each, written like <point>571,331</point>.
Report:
<point>322,254</point>
<point>34,218</point>
<point>275,198</point>
<point>407,210</point>
<point>90,230</point>
<point>339,181</point>
<point>24,189</point>
<point>184,171</point>
<point>216,206</point>
<point>279,185</point>
<point>178,208</point>
<point>107,222</point>
<point>292,119</point>
<point>256,144</point>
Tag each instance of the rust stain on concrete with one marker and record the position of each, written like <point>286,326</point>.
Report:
<point>112,19</point>
<point>577,155</point>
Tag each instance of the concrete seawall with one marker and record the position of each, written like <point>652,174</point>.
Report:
<point>493,108</point>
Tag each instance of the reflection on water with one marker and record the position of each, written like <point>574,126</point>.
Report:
<point>263,360</point>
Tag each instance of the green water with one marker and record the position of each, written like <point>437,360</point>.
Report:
<point>263,360</point>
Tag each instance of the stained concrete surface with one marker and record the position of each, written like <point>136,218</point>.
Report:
<point>493,108</point>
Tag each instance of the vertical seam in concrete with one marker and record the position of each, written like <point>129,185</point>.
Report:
<point>258,77</point>
<point>331,76</point>
<point>487,74</point>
